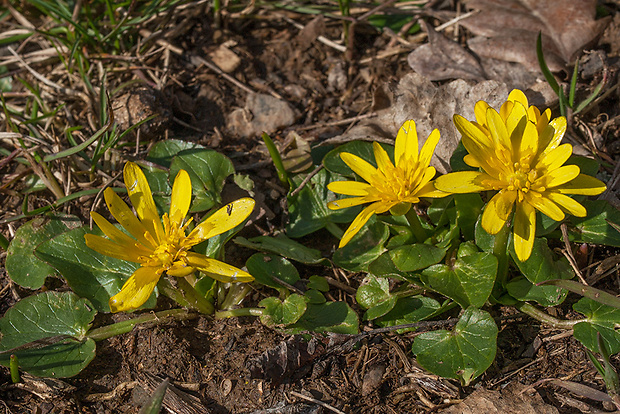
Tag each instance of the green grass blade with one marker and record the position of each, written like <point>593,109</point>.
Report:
<point>544,68</point>
<point>582,105</point>
<point>573,85</point>
<point>277,159</point>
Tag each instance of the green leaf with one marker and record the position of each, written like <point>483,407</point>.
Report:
<point>335,317</point>
<point>364,248</point>
<point>417,256</point>
<point>594,228</point>
<point>601,319</point>
<point>308,210</point>
<point>362,149</point>
<point>522,289</point>
<point>384,266</point>
<point>457,162</point>
<point>264,267</point>
<point>282,313</point>
<point>468,282</point>
<point>162,152</point>
<point>468,209</point>
<point>22,265</point>
<point>587,291</point>
<point>409,310</point>
<point>283,246</point>
<point>208,170</point>
<point>484,240</point>
<point>541,265</point>
<point>91,275</point>
<point>314,296</point>
<point>319,283</point>
<point>48,315</point>
<point>374,295</point>
<point>462,354</point>
<point>160,187</point>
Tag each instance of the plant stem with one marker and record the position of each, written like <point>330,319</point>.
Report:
<point>238,312</point>
<point>333,228</point>
<point>236,293</point>
<point>157,318</point>
<point>416,226</point>
<point>545,318</point>
<point>185,295</point>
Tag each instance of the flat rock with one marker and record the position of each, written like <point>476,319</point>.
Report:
<point>262,113</point>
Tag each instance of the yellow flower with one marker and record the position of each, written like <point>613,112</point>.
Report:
<point>519,155</point>
<point>160,244</point>
<point>388,187</point>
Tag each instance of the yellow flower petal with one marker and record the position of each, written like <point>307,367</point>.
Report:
<point>426,153</point>
<point>362,218</point>
<point>556,158</point>
<point>497,129</point>
<point>360,166</point>
<point>517,95</point>
<point>544,204</point>
<point>111,231</point>
<point>480,111</point>
<point>498,211</point>
<point>524,230</point>
<point>462,182</point>
<point>136,289</point>
<point>142,199</point>
<point>180,199</point>
<point>559,129</point>
<point>349,202</point>
<point>568,204</point>
<point>224,219</point>
<point>406,144</point>
<point>583,184</point>
<point>430,191</point>
<point>180,269</point>
<point>381,156</point>
<point>561,175</point>
<point>218,270</point>
<point>353,188</point>
<point>529,142</point>
<point>108,248</point>
<point>126,218</point>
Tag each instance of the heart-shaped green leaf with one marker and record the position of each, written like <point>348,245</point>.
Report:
<point>464,353</point>
<point>542,265</point>
<point>335,317</point>
<point>522,289</point>
<point>21,264</point>
<point>595,227</point>
<point>162,152</point>
<point>374,295</point>
<point>91,275</point>
<point>409,310</point>
<point>282,313</point>
<point>208,170</point>
<point>468,282</point>
<point>64,319</point>
<point>412,257</point>
<point>601,319</point>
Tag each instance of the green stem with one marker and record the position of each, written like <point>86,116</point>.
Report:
<point>232,313</point>
<point>236,293</point>
<point>333,228</point>
<point>157,318</point>
<point>545,318</point>
<point>416,226</point>
<point>14,369</point>
<point>186,295</point>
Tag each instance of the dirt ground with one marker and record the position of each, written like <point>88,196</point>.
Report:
<point>238,365</point>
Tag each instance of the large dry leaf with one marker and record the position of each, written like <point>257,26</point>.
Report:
<point>508,29</point>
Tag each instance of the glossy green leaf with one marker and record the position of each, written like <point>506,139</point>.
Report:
<point>362,149</point>
<point>374,295</point>
<point>22,265</point>
<point>162,152</point>
<point>283,246</point>
<point>314,297</point>
<point>594,228</point>
<point>364,248</point>
<point>160,187</point>
<point>522,289</point>
<point>208,170</point>
<point>587,291</point>
<point>409,310</point>
<point>484,240</point>
<point>264,267</point>
<point>64,318</point>
<point>282,313</point>
<point>601,319</point>
<point>308,210</point>
<point>469,281</point>
<point>412,257</point>
<point>335,317</point>
<point>319,283</point>
<point>91,275</point>
<point>464,353</point>
<point>468,209</point>
<point>542,264</point>
<point>384,266</point>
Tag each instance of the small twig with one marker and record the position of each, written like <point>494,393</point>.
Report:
<point>306,180</point>
<point>321,39</point>
<point>568,253</point>
<point>318,402</point>
<point>337,123</point>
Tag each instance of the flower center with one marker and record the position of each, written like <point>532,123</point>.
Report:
<point>396,184</point>
<point>523,179</point>
<point>165,254</point>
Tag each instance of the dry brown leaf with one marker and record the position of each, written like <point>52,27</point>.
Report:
<point>509,29</point>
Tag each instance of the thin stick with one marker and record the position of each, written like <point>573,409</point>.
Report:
<point>318,402</point>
